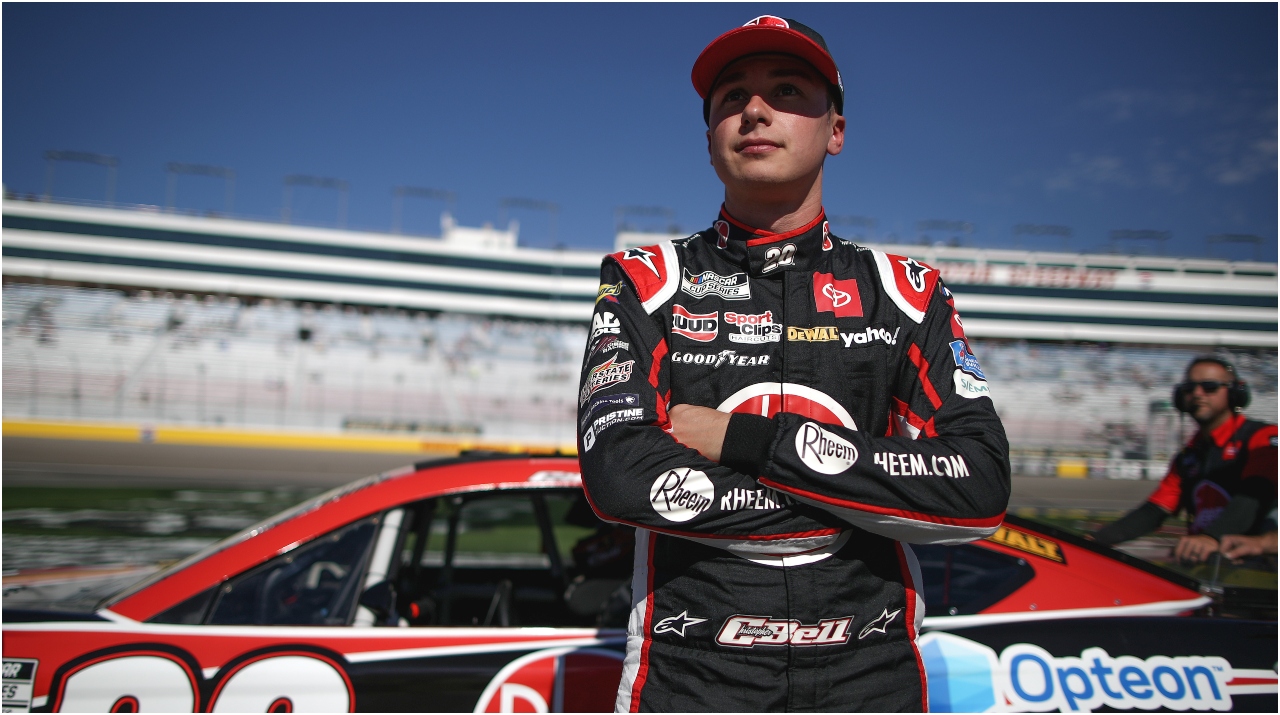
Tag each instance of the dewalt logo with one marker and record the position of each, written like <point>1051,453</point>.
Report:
<point>820,334</point>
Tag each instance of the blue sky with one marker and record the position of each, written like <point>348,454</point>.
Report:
<point>1097,117</point>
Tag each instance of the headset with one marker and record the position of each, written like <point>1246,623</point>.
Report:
<point>1238,395</point>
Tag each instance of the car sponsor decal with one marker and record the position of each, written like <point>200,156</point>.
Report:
<point>558,680</point>
<point>820,334</point>
<point>837,296</point>
<point>879,623</point>
<point>762,499</point>
<point>1028,543</point>
<point>603,323</point>
<point>751,631</point>
<point>677,624</point>
<point>703,327</point>
<point>607,373</point>
<point>823,451</point>
<point>624,399</point>
<point>720,359</point>
<point>966,360</point>
<point>609,291</point>
<point>607,421</point>
<point>1027,678</point>
<point>610,342</point>
<point>730,287</point>
<point>755,329</point>
<point>778,257</point>
<point>19,679</point>
<point>907,464</point>
<point>969,386</point>
<point>870,336</point>
<point>681,494</point>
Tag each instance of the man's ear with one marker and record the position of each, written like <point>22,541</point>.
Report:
<point>836,143</point>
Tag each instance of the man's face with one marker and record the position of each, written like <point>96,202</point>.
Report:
<point>1208,408</point>
<point>771,123</point>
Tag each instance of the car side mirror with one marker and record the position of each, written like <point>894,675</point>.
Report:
<point>380,598</point>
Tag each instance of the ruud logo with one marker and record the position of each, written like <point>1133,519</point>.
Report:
<point>823,451</point>
<point>703,327</point>
<point>681,494</point>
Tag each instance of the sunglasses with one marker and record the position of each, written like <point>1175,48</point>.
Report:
<point>1209,386</point>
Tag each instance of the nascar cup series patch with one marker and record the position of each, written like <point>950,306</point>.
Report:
<point>730,287</point>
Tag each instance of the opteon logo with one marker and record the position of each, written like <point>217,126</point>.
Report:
<point>681,494</point>
<point>770,398</point>
<point>823,451</point>
<point>703,327</point>
<point>558,680</point>
<point>967,676</point>
<point>751,631</point>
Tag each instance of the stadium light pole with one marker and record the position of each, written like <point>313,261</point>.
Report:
<point>946,226</point>
<point>400,192</point>
<point>1220,238</point>
<point>1036,229</point>
<point>621,212</point>
<point>173,169</point>
<point>52,157</point>
<point>1145,234</point>
<point>319,182</point>
<point>533,204</point>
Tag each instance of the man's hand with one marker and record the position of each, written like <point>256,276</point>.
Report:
<point>1238,546</point>
<point>701,428</point>
<point>1195,548</point>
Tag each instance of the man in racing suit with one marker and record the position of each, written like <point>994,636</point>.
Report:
<point>1224,479</point>
<point>777,410</point>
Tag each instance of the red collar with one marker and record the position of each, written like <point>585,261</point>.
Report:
<point>759,236</point>
<point>1223,434</point>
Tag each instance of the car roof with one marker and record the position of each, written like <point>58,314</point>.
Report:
<point>322,514</point>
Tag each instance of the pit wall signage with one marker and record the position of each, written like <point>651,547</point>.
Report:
<point>964,272</point>
<point>967,676</point>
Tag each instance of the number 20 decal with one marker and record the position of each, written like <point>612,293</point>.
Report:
<point>165,679</point>
<point>776,257</point>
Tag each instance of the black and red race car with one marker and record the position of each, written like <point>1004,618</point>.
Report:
<point>486,584</point>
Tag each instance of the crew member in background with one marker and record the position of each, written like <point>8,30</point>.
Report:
<point>777,410</point>
<point>1224,479</point>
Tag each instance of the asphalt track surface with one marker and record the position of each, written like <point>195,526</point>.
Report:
<point>83,463</point>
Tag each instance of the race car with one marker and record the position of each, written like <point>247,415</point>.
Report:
<point>486,583</point>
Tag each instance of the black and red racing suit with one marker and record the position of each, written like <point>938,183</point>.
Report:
<point>778,578</point>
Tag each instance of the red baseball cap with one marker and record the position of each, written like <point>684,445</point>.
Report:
<point>767,33</point>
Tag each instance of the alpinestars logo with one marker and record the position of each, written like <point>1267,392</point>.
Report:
<point>880,622</point>
<point>751,631</point>
<point>677,624</point>
<point>915,273</point>
<point>731,287</point>
<point>610,372</point>
<point>645,257</point>
<point>703,327</point>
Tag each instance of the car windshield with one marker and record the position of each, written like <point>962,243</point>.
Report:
<point>258,528</point>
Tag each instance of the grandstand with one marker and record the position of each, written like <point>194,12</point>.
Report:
<point>145,317</point>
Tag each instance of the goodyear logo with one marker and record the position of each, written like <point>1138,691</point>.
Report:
<point>820,334</point>
<point>1028,543</point>
<point>608,290</point>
